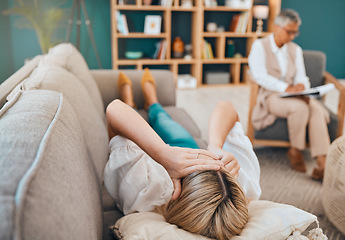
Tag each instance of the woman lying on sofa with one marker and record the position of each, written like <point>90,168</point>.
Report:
<point>147,165</point>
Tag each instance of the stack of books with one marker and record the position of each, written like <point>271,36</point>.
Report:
<point>239,22</point>
<point>206,50</point>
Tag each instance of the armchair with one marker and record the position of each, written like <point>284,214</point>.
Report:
<point>276,135</point>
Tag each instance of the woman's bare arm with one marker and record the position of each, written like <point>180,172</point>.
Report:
<point>222,120</point>
<point>179,162</point>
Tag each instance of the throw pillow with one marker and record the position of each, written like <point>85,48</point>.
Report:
<point>65,55</point>
<point>55,78</point>
<point>267,220</point>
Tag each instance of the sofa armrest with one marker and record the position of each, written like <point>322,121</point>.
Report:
<point>7,86</point>
<point>106,80</point>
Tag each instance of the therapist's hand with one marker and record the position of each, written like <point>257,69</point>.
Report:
<point>295,88</point>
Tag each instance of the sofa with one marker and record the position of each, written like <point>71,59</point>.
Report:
<point>54,145</point>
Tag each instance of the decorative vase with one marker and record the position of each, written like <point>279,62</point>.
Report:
<point>178,48</point>
<point>147,2</point>
<point>230,48</point>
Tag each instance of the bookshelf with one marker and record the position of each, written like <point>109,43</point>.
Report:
<point>194,33</point>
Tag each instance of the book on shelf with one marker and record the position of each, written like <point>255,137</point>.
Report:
<point>209,51</point>
<point>118,21</point>
<point>234,22</point>
<point>239,22</point>
<point>158,47</point>
<point>161,49</point>
<point>206,50</point>
<point>124,24</point>
<point>313,92</point>
<point>121,20</point>
<point>243,22</point>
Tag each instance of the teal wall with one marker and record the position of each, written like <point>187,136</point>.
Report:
<point>6,59</point>
<point>321,29</point>
<point>16,44</point>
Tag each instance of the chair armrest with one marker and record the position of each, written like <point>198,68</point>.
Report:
<point>253,93</point>
<point>329,78</point>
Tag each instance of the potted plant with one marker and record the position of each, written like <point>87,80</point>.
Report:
<point>41,16</point>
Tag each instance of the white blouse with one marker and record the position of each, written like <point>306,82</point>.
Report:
<point>138,183</point>
<point>257,65</point>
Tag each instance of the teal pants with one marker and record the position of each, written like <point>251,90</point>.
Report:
<point>170,131</point>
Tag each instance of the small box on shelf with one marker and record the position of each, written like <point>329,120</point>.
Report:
<point>217,77</point>
<point>186,81</point>
<point>239,3</point>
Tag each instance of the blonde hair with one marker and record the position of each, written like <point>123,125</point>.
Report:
<point>211,204</point>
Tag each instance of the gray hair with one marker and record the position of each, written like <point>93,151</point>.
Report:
<point>287,16</point>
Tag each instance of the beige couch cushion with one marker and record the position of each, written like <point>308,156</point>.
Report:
<point>68,57</point>
<point>50,77</point>
<point>48,184</point>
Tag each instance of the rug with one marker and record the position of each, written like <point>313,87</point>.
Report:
<point>281,184</point>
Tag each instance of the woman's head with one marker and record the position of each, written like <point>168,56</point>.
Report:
<point>286,27</point>
<point>211,204</point>
<point>287,16</point>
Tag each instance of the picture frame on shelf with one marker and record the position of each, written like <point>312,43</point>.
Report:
<point>152,24</point>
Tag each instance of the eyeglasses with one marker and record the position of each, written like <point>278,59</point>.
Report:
<point>296,33</point>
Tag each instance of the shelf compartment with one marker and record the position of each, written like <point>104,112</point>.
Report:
<point>145,45</point>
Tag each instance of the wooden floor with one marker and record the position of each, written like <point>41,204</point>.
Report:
<point>199,103</point>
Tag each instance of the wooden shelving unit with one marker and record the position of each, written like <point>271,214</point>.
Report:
<point>236,66</point>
